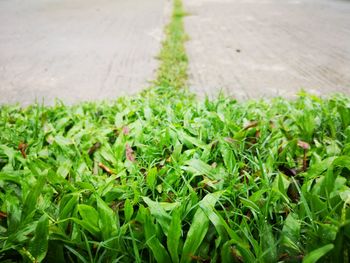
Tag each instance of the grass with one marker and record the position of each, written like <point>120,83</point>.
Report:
<point>173,67</point>
<point>160,177</point>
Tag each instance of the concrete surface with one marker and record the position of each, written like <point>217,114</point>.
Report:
<point>264,48</point>
<point>78,50</point>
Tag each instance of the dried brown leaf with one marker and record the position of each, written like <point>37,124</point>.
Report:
<point>126,130</point>
<point>3,214</point>
<point>105,168</point>
<point>94,148</point>
<point>23,147</point>
<point>251,125</point>
<point>129,152</point>
<point>304,145</point>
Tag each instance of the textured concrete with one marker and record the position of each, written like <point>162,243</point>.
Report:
<point>78,50</point>
<point>264,48</point>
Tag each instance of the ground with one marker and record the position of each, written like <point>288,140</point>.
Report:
<point>78,50</point>
<point>264,48</point>
<point>82,50</point>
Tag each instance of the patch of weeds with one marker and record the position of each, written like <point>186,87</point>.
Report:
<point>220,181</point>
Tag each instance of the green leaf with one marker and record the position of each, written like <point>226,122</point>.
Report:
<point>67,207</point>
<point>317,254</point>
<point>128,210</point>
<point>226,253</point>
<point>199,227</point>
<point>108,222</point>
<point>77,254</point>
<point>39,244</point>
<point>152,177</point>
<point>190,140</point>
<point>159,213</point>
<point>268,244</point>
<point>228,157</point>
<point>14,214</point>
<point>174,235</point>
<point>207,206</point>
<point>331,175</point>
<point>95,231</point>
<point>134,246</point>
<point>89,215</point>
<point>31,200</point>
<point>291,233</point>
<point>201,168</point>
<point>158,250</point>
<point>62,141</point>
<point>64,168</point>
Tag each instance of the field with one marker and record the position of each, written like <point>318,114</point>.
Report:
<point>162,177</point>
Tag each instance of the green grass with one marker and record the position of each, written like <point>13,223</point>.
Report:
<point>160,177</point>
<point>173,59</point>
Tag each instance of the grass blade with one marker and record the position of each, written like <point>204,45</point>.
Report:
<point>317,254</point>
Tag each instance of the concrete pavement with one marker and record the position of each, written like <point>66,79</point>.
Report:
<point>264,48</point>
<point>78,50</point>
